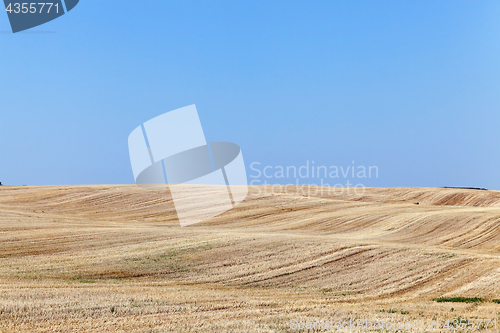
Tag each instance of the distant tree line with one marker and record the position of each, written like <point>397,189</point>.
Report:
<point>464,188</point>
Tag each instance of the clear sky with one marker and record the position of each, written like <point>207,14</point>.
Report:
<point>412,87</point>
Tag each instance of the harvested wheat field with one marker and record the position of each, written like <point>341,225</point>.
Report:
<point>114,259</point>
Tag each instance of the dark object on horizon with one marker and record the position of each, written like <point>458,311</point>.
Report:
<point>467,188</point>
<point>0,183</point>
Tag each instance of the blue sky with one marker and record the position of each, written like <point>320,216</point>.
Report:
<point>410,87</point>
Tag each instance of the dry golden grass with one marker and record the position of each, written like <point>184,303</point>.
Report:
<point>114,258</point>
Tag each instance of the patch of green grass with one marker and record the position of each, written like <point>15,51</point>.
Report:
<point>449,255</point>
<point>82,279</point>
<point>496,301</point>
<point>405,312</point>
<point>391,311</point>
<point>459,299</point>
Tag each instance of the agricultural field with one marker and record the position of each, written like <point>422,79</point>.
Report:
<point>113,258</point>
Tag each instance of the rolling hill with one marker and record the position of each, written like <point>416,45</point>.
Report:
<point>114,258</point>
